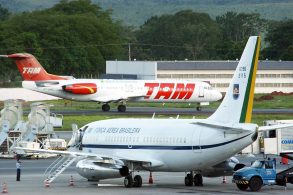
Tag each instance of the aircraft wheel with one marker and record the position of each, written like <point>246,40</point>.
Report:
<point>137,181</point>
<point>255,184</point>
<point>242,187</point>
<point>188,180</point>
<point>198,108</point>
<point>105,107</point>
<point>128,181</point>
<point>197,180</point>
<point>121,108</point>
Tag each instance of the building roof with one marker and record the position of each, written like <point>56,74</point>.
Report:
<point>220,65</point>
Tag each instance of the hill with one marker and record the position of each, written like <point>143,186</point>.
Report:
<point>136,12</point>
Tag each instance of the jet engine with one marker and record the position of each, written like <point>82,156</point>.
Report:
<point>95,171</point>
<point>225,168</point>
<point>80,88</point>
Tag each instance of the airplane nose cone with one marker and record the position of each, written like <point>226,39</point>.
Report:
<point>218,95</point>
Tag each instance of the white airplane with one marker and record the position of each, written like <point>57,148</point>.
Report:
<point>105,91</point>
<point>120,147</point>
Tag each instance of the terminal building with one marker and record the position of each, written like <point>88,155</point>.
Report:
<point>271,75</point>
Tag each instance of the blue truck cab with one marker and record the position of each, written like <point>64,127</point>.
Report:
<point>261,172</point>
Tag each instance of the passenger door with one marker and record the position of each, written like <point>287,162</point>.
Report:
<point>201,92</point>
<point>196,147</point>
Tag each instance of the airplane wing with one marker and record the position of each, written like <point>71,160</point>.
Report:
<point>273,127</point>
<point>21,150</point>
<point>117,98</point>
<point>142,159</point>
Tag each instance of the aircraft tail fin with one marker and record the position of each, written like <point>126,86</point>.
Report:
<point>236,107</point>
<point>30,68</point>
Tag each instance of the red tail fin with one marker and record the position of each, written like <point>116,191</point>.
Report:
<point>31,69</point>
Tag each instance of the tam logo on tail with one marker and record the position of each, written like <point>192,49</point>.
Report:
<point>27,70</point>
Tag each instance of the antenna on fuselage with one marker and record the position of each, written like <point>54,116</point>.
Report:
<point>154,115</point>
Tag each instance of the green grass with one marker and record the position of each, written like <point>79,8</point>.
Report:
<point>83,119</point>
<point>275,103</point>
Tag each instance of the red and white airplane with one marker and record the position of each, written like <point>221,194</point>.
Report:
<point>107,90</point>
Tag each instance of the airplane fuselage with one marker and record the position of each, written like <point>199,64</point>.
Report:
<point>131,90</point>
<point>172,145</point>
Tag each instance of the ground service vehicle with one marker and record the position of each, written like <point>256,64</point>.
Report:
<point>261,172</point>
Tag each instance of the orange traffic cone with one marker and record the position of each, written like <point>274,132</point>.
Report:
<point>151,181</point>
<point>47,183</point>
<point>224,179</point>
<point>71,182</point>
<point>284,160</point>
<point>4,190</point>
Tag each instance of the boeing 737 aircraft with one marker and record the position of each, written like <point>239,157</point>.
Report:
<point>121,147</point>
<point>105,91</point>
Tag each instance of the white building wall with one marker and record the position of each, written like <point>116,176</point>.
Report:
<point>267,80</point>
<point>143,69</point>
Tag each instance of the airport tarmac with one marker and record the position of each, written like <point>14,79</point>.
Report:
<point>163,110</point>
<point>164,183</point>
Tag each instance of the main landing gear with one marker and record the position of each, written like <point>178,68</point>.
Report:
<point>133,182</point>
<point>130,182</point>
<point>120,108</point>
<point>105,107</point>
<point>191,179</point>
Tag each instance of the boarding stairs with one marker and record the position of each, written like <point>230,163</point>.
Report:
<point>58,166</point>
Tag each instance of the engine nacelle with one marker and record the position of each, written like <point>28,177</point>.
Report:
<point>225,168</point>
<point>95,171</point>
<point>80,88</point>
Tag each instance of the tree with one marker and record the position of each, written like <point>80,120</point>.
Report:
<point>236,28</point>
<point>71,38</point>
<point>186,34</point>
<point>4,13</point>
<point>280,40</point>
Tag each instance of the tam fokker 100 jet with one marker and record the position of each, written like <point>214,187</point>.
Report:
<point>106,91</point>
<point>121,147</point>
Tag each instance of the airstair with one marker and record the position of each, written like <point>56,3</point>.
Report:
<point>58,166</point>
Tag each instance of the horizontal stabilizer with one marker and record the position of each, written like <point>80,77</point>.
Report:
<point>229,128</point>
<point>274,127</point>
